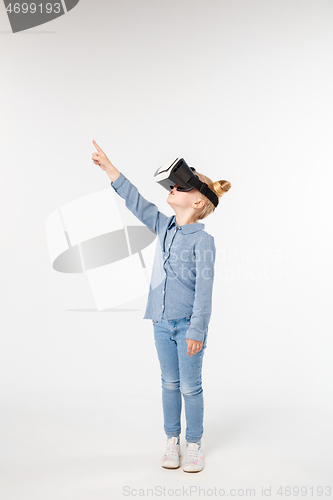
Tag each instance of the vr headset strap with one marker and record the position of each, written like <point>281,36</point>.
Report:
<point>204,189</point>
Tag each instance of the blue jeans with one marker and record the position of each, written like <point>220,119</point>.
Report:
<point>180,374</point>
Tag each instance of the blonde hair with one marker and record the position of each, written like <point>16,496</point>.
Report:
<point>218,187</point>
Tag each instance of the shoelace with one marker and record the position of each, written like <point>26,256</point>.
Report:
<point>172,449</point>
<point>193,453</point>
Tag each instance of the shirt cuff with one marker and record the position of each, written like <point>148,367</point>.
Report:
<point>194,336</point>
<point>118,182</point>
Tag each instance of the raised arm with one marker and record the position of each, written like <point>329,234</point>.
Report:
<point>143,209</point>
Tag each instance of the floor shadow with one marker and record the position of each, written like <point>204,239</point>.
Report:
<point>104,310</point>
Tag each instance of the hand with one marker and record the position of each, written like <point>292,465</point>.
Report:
<point>193,346</point>
<point>103,161</point>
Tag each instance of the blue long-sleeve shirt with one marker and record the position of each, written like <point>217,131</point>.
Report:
<point>182,277</point>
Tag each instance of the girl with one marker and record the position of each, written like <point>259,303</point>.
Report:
<point>179,302</point>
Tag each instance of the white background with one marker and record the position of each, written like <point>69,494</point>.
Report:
<point>242,90</point>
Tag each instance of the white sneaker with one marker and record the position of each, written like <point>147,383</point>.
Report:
<point>194,461</point>
<point>170,458</point>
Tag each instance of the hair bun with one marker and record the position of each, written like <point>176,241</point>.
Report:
<point>221,187</point>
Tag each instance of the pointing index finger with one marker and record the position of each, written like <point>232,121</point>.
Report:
<point>97,147</point>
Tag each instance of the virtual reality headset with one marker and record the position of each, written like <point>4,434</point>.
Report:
<point>178,172</point>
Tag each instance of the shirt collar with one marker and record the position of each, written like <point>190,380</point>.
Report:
<point>186,228</point>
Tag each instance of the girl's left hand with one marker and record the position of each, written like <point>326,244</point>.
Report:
<point>193,346</point>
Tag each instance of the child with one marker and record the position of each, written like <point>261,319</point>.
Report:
<point>179,302</point>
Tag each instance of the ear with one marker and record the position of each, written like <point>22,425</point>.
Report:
<point>199,203</point>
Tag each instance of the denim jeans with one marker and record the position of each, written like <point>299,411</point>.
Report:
<point>180,374</point>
